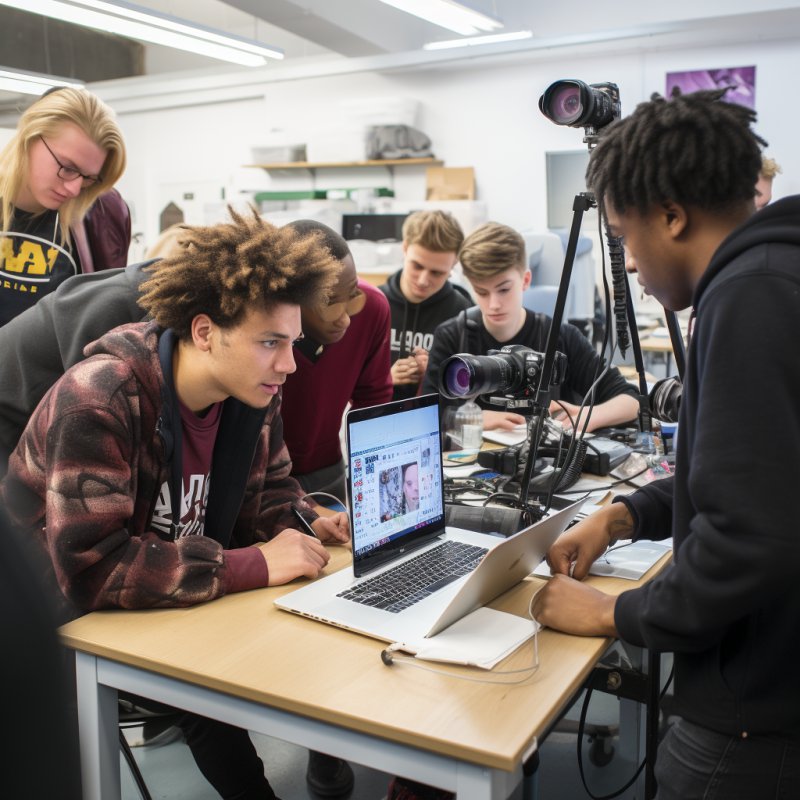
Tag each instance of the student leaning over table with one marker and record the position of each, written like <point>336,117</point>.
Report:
<point>728,607</point>
<point>153,474</point>
<point>342,359</point>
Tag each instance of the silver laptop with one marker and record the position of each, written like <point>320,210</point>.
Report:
<point>411,577</point>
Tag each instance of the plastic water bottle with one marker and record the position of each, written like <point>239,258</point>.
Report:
<point>469,426</point>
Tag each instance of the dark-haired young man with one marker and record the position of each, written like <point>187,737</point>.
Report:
<point>154,473</point>
<point>728,606</point>
<point>343,358</point>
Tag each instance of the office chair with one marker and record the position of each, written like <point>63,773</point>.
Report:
<point>540,298</point>
<point>546,254</point>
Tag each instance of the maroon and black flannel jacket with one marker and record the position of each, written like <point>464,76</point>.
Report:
<point>88,469</point>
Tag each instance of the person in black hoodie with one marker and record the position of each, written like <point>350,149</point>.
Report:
<point>676,180</point>
<point>420,294</point>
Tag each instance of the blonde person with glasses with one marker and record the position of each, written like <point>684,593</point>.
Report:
<point>57,216</point>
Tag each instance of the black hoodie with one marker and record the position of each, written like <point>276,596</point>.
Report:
<point>729,607</point>
<point>413,324</point>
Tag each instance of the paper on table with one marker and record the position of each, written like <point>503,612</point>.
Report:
<point>462,471</point>
<point>630,561</point>
<point>481,639</point>
<point>626,560</point>
<point>508,438</point>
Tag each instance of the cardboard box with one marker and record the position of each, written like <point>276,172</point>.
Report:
<point>450,183</point>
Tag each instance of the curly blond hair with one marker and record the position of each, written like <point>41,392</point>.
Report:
<point>222,270</point>
<point>769,167</point>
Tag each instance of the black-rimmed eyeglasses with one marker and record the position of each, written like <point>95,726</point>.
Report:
<point>69,174</point>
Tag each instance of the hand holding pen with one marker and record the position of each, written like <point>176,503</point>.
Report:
<point>330,529</point>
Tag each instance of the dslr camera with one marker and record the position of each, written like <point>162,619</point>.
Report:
<point>513,371</point>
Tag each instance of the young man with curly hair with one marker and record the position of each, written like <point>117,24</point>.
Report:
<point>154,474</point>
<point>676,179</point>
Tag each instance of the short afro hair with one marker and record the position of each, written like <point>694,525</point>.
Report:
<point>335,242</point>
<point>222,270</point>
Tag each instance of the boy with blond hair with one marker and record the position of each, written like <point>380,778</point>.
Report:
<point>421,296</point>
<point>769,169</point>
<point>493,261</point>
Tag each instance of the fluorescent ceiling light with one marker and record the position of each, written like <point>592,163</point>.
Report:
<point>471,41</point>
<point>12,80</point>
<point>447,14</point>
<point>135,22</point>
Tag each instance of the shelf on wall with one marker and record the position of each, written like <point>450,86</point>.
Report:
<point>314,165</point>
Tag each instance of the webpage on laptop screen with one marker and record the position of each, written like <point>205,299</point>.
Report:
<point>396,474</point>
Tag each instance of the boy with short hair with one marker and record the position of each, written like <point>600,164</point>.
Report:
<point>493,261</point>
<point>728,605</point>
<point>343,358</point>
<point>154,473</point>
<point>420,294</point>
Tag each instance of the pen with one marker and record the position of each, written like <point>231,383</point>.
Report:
<point>304,525</point>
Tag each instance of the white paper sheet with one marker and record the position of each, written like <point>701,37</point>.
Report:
<point>481,639</point>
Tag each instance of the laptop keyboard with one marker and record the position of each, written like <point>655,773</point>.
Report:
<point>414,580</point>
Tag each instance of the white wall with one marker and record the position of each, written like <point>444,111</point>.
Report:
<point>482,114</point>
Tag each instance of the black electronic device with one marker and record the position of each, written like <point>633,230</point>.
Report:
<point>514,371</point>
<point>485,519</point>
<point>603,455</point>
<point>374,227</point>
<point>665,399</point>
<point>503,460</point>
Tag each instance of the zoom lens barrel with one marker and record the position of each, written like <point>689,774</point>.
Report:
<point>580,105</point>
<point>465,375</point>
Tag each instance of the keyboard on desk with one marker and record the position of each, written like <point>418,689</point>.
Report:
<point>414,580</point>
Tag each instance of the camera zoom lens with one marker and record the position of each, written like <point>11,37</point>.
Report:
<point>566,106</point>
<point>466,375</point>
<point>457,378</point>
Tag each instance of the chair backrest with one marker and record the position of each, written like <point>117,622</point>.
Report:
<point>545,252</point>
<point>541,299</point>
<point>581,298</point>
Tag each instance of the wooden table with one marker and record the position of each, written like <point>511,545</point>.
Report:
<point>243,661</point>
<point>657,346</point>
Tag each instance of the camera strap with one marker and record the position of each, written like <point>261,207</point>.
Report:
<point>471,324</point>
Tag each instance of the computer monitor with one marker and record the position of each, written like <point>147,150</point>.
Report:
<point>374,227</point>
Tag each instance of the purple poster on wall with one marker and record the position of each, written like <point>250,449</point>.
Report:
<point>741,79</point>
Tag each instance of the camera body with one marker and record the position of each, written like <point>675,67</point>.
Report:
<point>513,371</point>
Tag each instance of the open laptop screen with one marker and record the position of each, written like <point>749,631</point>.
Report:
<point>395,479</point>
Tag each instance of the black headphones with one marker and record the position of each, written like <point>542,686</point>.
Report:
<point>665,399</point>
